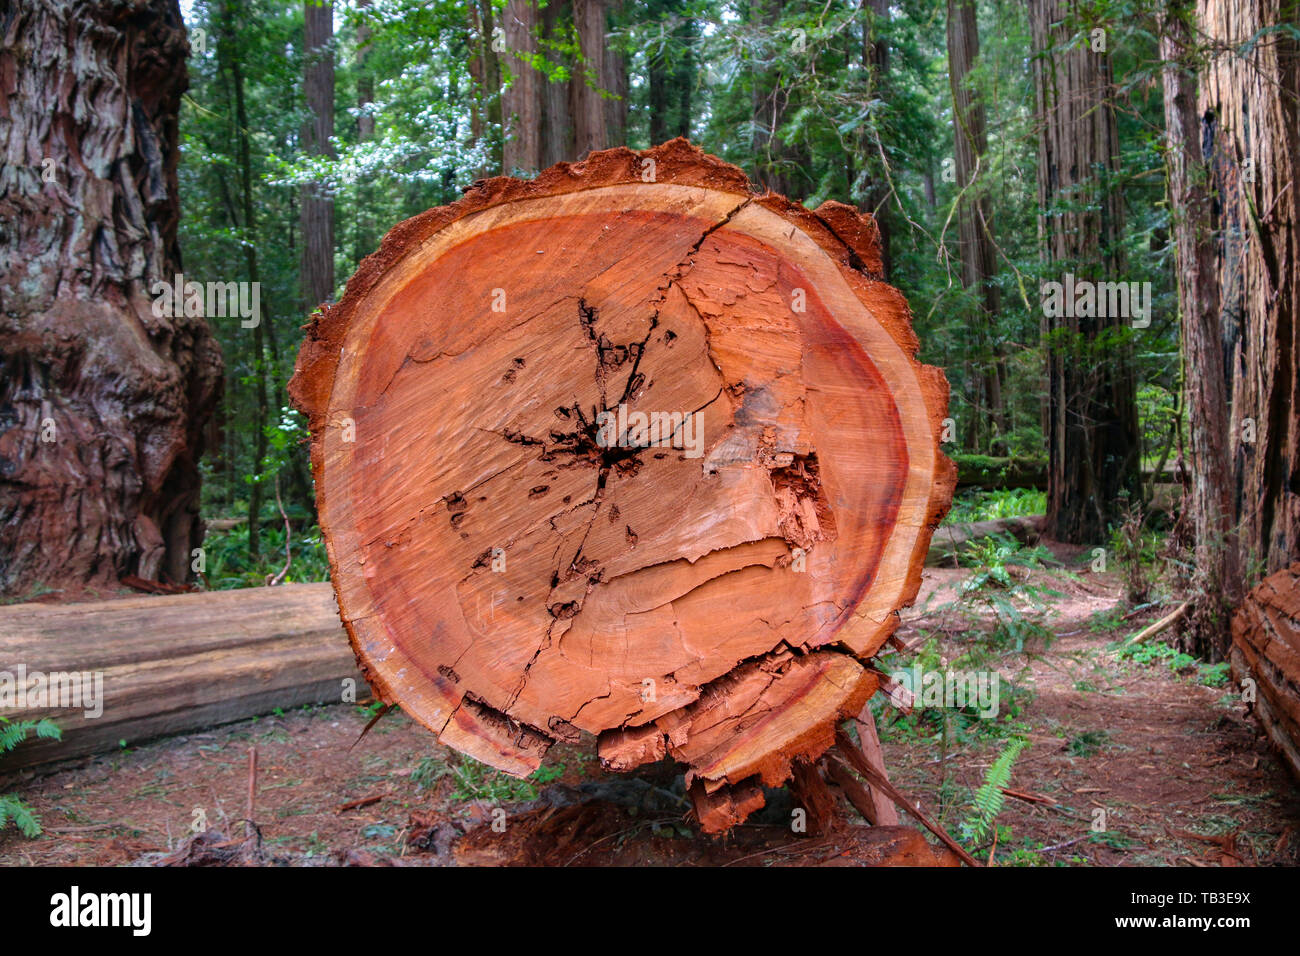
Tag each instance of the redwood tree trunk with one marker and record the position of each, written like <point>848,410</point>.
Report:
<point>975,242</point>
<point>520,101</point>
<point>317,207</point>
<point>778,166</point>
<point>586,104</point>
<point>1248,107</point>
<point>1210,493</point>
<point>102,402</point>
<point>875,59</point>
<point>485,68</point>
<point>520,556</point>
<point>1091,414</point>
<point>615,82</point>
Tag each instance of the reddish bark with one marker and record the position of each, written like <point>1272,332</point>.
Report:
<point>89,94</point>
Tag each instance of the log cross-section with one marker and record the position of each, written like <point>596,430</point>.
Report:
<point>628,449</point>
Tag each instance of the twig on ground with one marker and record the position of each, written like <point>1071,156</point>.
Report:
<point>1165,622</point>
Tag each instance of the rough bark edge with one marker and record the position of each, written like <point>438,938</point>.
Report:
<point>1259,653</point>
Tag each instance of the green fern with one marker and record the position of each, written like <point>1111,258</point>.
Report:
<point>12,808</point>
<point>20,814</point>
<point>14,732</point>
<point>989,798</point>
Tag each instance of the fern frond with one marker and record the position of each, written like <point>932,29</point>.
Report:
<point>12,733</point>
<point>989,798</point>
<point>13,809</point>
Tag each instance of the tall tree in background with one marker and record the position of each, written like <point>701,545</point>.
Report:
<point>554,107</point>
<point>1209,502</point>
<point>244,219</point>
<point>102,402</point>
<point>589,127</point>
<point>1240,293</point>
<point>521,104</point>
<point>670,72</point>
<point>978,268</point>
<point>1090,411</point>
<point>365,238</point>
<point>875,60</point>
<point>778,165</point>
<point>616,84</point>
<point>485,68</point>
<point>317,206</point>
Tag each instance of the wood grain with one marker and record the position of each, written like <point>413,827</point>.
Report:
<point>512,578</point>
<point>175,664</point>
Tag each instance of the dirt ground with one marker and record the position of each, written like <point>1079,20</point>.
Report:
<point>1176,766</point>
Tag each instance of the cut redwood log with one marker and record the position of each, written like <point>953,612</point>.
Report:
<point>627,450</point>
<point>142,667</point>
<point>1266,650</point>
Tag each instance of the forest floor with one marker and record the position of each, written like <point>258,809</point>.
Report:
<point>1159,743</point>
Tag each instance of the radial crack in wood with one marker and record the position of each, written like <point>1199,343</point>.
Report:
<point>631,450</point>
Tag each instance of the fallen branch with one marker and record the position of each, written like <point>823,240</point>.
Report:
<point>850,750</point>
<point>1028,797</point>
<point>272,581</point>
<point>358,804</point>
<point>1060,846</point>
<point>1164,623</point>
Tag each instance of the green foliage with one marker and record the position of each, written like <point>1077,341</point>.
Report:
<point>229,564</point>
<point>811,117</point>
<point>1001,585</point>
<point>1088,743</point>
<point>1216,675</point>
<point>1154,653</point>
<point>428,772</point>
<point>1106,622</point>
<point>12,808</point>
<point>475,781</point>
<point>989,799</point>
<point>961,725</point>
<point>977,504</point>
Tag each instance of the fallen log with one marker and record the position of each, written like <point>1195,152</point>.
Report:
<point>950,540</point>
<point>1265,651</point>
<point>154,666</point>
<point>627,450</point>
<point>993,472</point>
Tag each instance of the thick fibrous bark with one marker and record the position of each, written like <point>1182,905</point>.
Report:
<point>521,106</point>
<point>1230,114</point>
<point>1209,495</point>
<point>516,564</point>
<point>102,402</point>
<point>1266,650</point>
<point>978,267</point>
<point>1249,97</point>
<point>548,121</point>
